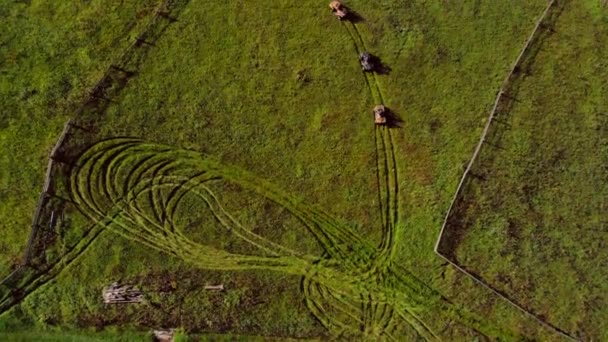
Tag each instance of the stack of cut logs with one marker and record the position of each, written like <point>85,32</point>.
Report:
<point>121,294</point>
<point>163,335</point>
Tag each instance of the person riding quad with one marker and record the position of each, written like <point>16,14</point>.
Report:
<point>380,115</point>
<point>367,61</point>
<point>338,9</point>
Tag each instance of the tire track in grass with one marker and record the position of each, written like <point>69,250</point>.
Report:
<point>113,80</point>
<point>53,270</point>
<point>346,289</point>
<point>135,189</point>
<point>386,166</point>
<point>342,288</point>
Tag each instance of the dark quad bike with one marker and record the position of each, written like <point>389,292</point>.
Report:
<point>368,61</point>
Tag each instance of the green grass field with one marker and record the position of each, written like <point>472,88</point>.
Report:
<point>257,165</point>
<point>51,53</point>
<point>534,223</point>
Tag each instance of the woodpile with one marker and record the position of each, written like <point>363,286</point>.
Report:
<point>121,294</point>
<point>163,335</point>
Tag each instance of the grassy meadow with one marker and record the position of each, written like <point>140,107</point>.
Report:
<point>275,88</point>
<point>534,223</point>
<point>51,52</point>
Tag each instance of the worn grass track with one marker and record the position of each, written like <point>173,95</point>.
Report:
<point>386,161</point>
<point>134,188</point>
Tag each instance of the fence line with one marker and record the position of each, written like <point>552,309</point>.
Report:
<point>47,188</point>
<point>492,114</point>
<point>47,191</point>
<point>34,232</point>
<point>11,286</point>
<point>501,95</point>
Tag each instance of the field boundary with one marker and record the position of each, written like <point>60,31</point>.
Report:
<point>114,79</point>
<point>503,98</point>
